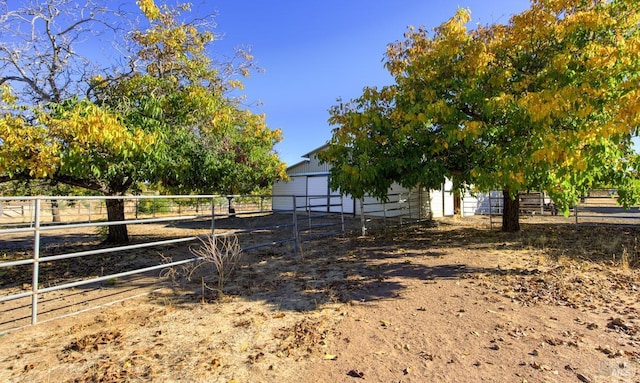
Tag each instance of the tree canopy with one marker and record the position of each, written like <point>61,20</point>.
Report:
<point>167,116</point>
<point>547,102</point>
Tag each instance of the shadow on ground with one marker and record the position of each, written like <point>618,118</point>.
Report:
<point>371,268</point>
<point>341,268</point>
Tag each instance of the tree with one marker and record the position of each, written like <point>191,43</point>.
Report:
<point>158,119</point>
<point>210,144</point>
<point>547,102</point>
<point>38,42</point>
<point>36,54</point>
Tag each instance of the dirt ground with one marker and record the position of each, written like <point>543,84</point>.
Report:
<point>450,302</point>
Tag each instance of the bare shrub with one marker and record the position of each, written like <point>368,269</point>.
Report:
<point>177,274</point>
<point>222,252</point>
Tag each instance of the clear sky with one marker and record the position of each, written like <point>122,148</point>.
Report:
<point>314,52</point>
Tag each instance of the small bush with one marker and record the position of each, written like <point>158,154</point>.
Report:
<point>221,252</point>
<point>153,205</point>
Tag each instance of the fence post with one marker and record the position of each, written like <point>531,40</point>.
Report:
<point>384,213</point>
<point>490,211</point>
<point>362,222</point>
<point>542,203</point>
<point>409,209</point>
<point>36,262</point>
<point>308,208</point>
<point>342,212</point>
<point>420,207</point>
<point>213,216</point>
<point>295,227</point>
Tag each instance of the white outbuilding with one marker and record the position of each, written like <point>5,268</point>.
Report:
<point>309,183</point>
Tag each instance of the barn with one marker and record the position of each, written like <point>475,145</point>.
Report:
<point>309,183</point>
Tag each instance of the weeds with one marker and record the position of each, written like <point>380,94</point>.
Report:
<point>222,252</point>
<point>630,258</point>
<point>102,232</point>
<point>624,259</point>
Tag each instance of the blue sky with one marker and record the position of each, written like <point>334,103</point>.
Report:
<point>314,52</point>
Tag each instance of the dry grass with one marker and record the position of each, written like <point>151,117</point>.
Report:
<point>452,303</point>
<point>223,253</point>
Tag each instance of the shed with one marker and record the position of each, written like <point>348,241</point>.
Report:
<point>309,183</point>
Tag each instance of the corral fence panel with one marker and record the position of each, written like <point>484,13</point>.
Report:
<point>400,208</point>
<point>597,207</point>
<point>600,207</point>
<point>42,238</point>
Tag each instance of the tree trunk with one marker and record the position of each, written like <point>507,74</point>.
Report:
<point>457,204</point>
<point>55,210</point>
<point>115,212</point>
<point>232,209</point>
<point>510,213</point>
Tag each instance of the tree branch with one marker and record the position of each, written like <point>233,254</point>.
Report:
<point>83,183</point>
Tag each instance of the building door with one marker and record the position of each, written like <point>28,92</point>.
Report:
<point>318,193</point>
<point>447,199</point>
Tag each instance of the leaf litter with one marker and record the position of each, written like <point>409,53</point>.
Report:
<point>441,303</point>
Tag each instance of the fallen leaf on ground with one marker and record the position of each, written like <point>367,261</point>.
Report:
<point>356,374</point>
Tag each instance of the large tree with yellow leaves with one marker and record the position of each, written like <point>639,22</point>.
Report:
<point>549,101</point>
<point>165,117</point>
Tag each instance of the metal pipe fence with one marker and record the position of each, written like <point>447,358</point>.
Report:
<point>597,207</point>
<point>320,216</point>
<point>32,239</point>
<point>399,209</point>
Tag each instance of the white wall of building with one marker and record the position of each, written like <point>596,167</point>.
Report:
<point>309,181</point>
<point>442,201</point>
<point>283,192</point>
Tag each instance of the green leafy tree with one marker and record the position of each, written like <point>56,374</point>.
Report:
<point>547,102</point>
<point>159,119</point>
